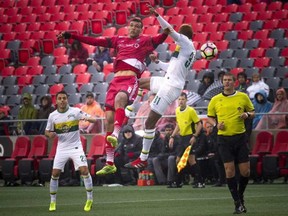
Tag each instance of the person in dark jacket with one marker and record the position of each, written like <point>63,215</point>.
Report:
<point>129,149</point>
<point>4,126</point>
<point>165,162</point>
<point>78,53</point>
<point>101,58</point>
<point>207,80</point>
<point>46,108</point>
<point>242,82</point>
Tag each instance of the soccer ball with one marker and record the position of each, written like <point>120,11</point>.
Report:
<point>208,50</point>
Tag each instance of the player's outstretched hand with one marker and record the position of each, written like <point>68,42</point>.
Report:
<point>153,58</point>
<point>64,35</point>
<point>152,10</point>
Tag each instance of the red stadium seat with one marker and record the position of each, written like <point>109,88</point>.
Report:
<point>10,165</point>
<point>260,7</point>
<point>262,62</point>
<point>257,53</point>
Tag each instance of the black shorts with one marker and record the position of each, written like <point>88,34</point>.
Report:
<point>184,143</point>
<point>233,148</point>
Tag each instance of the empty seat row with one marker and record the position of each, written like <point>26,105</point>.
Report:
<point>30,159</point>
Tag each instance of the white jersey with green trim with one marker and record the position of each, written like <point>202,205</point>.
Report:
<point>182,58</point>
<point>66,126</point>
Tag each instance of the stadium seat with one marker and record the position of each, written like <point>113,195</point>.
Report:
<point>221,17</point>
<point>241,53</point>
<point>12,90</point>
<point>100,87</point>
<point>28,89</point>
<point>42,89</point>
<point>28,167</point>
<point>35,70</point>
<point>68,78</point>
<point>121,18</point>
<point>211,27</point>
<point>273,83</point>
<point>8,71</point>
<point>246,62</point>
<point>97,26</point>
<point>200,64</point>
<point>97,149</point>
<point>65,69</point>
<point>9,80</point>
<point>263,145</point>
<point>265,15</point>
<point>97,77</point>
<point>86,87</point>
<point>274,6</point>
<point>271,24</point>
<point>80,68</point>
<point>275,162</point>
<point>24,80</point>
<point>71,88</point>
<point>33,61</point>
<point>250,16</point>
<point>61,60</point>
<point>50,69</point>
<point>56,88</point>
<point>74,99</point>
<point>260,7</point>
<point>53,79</point>
<point>47,60</point>
<point>256,25</point>
<point>257,53</point>
<point>10,165</point>
<point>39,80</point>
<point>216,36</point>
<point>83,78</point>
<point>268,72</point>
<point>241,26</point>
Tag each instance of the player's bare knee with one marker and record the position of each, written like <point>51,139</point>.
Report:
<point>121,100</point>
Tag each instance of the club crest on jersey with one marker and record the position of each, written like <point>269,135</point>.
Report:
<point>71,116</point>
<point>65,128</point>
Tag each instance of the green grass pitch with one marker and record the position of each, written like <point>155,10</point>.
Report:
<point>261,200</point>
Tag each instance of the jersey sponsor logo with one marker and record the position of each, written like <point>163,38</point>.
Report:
<point>71,116</point>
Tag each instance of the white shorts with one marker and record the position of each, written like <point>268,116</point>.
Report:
<point>165,97</point>
<point>77,155</point>
<point>155,82</point>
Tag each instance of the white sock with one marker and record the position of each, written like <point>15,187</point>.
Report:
<point>53,188</point>
<point>136,101</point>
<point>88,186</point>
<point>110,155</point>
<point>148,138</point>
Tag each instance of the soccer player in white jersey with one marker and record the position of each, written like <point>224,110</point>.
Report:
<point>173,84</point>
<point>64,123</point>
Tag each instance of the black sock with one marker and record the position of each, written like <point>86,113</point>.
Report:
<point>243,182</point>
<point>232,185</point>
<point>195,169</point>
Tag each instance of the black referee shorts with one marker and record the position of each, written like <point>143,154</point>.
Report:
<point>184,143</point>
<point>233,148</point>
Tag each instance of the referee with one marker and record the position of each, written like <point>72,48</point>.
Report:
<point>227,111</point>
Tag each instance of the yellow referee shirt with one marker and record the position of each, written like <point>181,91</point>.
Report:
<point>228,109</point>
<point>185,120</point>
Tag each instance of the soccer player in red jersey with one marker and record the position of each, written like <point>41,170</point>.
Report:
<point>128,66</point>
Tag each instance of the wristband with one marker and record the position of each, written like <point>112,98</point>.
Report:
<point>194,136</point>
<point>248,114</point>
<point>171,137</point>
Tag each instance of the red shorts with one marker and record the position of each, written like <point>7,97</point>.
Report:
<point>127,84</point>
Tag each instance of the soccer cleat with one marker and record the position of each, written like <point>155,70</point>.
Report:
<point>52,206</point>
<point>138,163</point>
<point>107,169</point>
<point>199,185</point>
<point>88,205</point>
<point>113,140</point>
<point>175,185</point>
<point>129,111</point>
<point>239,209</point>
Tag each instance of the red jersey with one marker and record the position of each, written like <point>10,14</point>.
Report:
<point>131,52</point>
